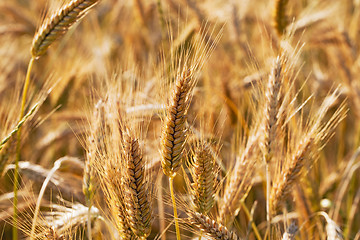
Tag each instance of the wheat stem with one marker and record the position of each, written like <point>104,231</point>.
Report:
<point>18,145</point>
<point>89,221</point>
<point>247,213</point>
<point>171,184</point>
<point>268,188</point>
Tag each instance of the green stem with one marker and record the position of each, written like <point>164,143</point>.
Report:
<point>171,183</point>
<point>18,146</point>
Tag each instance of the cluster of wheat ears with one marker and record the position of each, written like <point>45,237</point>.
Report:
<point>241,124</point>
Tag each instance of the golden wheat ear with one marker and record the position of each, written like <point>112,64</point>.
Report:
<point>211,228</point>
<point>57,25</point>
<point>204,174</point>
<point>280,20</point>
<point>136,195</point>
<point>174,130</point>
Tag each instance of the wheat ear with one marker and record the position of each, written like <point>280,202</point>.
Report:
<point>283,185</point>
<point>57,25</point>
<point>211,228</point>
<point>280,19</point>
<point>174,133</point>
<point>174,130</point>
<point>270,127</point>
<point>289,170</point>
<point>52,29</point>
<point>136,195</point>
<point>204,175</point>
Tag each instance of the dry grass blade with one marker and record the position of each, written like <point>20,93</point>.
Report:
<point>211,228</point>
<point>57,25</point>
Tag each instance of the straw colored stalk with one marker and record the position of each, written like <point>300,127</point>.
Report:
<point>136,190</point>
<point>93,146</point>
<point>57,25</point>
<point>204,175</point>
<point>211,228</point>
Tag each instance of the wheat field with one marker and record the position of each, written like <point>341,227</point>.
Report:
<point>179,119</point>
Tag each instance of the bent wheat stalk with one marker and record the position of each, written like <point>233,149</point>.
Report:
<point>58,24</point>
<point>18,145</point>
<point>52,28</point>
<point>174,133</point>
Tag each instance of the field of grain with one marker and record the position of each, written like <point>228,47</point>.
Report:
<point>180,119</point>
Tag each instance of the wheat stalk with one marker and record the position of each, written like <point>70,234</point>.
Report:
<point>174,132</point>
<point>52,29</point>
<point>272,95</point>
<point>57,25</point>
<point>272,106</point>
